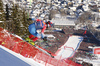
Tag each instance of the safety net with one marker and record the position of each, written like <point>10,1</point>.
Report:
<point>18,45</point>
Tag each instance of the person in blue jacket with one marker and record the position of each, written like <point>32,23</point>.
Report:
<point>38,25</point>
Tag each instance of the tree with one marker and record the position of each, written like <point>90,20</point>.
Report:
<point>7,12</point>
<point>52,14</point>
<point>2,16</point>
<point>86,20</point>
<point>62,12</point>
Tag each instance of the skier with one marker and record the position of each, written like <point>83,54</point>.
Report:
<point>34,29</point>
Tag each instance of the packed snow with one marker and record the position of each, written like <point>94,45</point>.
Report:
<point>7,59</point>
<point>69,48</point>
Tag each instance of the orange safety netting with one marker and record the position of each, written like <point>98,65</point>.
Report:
<point>19,46</point>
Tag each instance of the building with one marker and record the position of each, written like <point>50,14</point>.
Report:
<point>56,0</point>
<point>48,1</point>
<point>30,0</point>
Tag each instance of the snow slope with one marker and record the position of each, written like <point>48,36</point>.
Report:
<point>69,48</point>
<point>10,58</point>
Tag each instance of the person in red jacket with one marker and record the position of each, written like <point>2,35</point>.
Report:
<point>38,25</point>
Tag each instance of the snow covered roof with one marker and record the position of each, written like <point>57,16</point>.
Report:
<point>43,15</point>
<point>63,22</point>
<point>73,8</point>
<point>1,21</point>
<point>0,13</point>
<point>30,0</point>
<point>92,3</point>
<point>85,7</point>
<point>37,11</point>
<point>95,24</point>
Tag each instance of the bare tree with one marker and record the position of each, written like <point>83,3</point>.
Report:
<point>86,20</point>
<point>62,12</point>
<point>52,14</point>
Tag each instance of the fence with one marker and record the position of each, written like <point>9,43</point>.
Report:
<point>19,46</point>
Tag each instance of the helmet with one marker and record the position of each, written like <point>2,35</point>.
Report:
<point>50,24</point>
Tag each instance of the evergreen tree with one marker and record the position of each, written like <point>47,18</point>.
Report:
<point>26,22</point>
<point>15,19</point>
<point>2,15</point>
<point>7,12</point>
<point>18,22</point>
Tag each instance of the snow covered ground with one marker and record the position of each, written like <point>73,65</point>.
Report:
<point>69,48</point>
<point>95,24</point>
<point>10,58</point>
<point>0,13</point>
<point>1,21</point>
<point>94,62</point>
